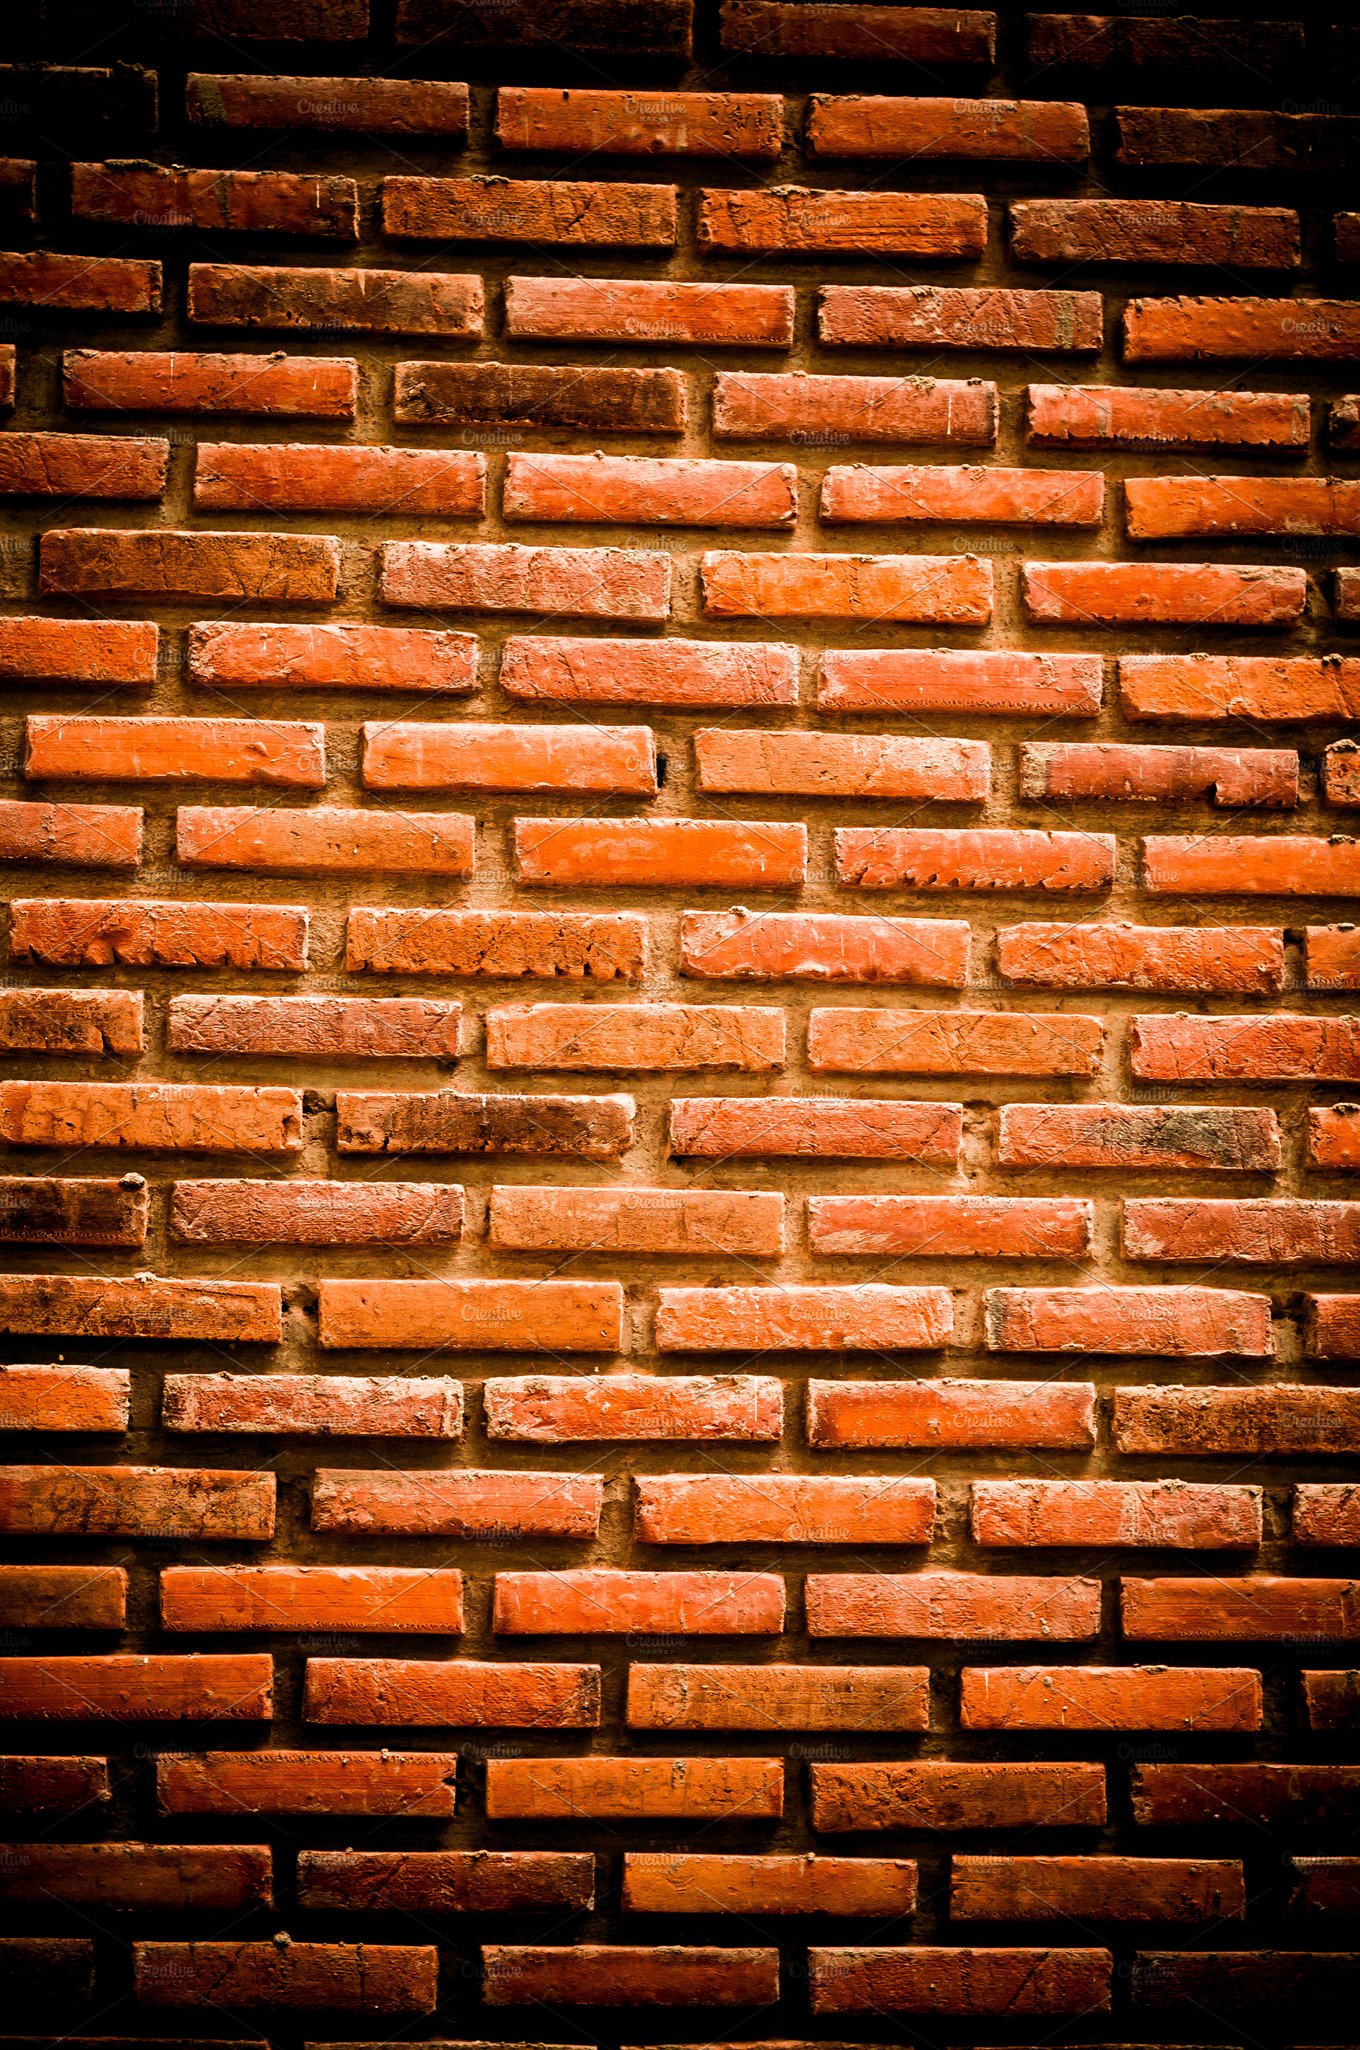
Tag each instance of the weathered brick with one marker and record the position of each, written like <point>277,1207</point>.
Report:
<point>324,839</point>
<point>947,590</point>
<point>82,466</point>
<point>280,753</point>
<point>385,302</point>
<point>59,1598</point>
<point>1341,774</point>
<point>1161,594</point>
<point>952,1227</point>
<point>195,381</point>
<point>894,1042</point>
<point>924,858</point>
<point>1251,139</point>
<point>481,1316</point>
<point>1332,954</point>
<point>643,1038</point>
<point>123,1687</point>
<point>668,1883</point>
<point>980,496</point>
<point>1161,508</point>
<point>795,220</point>
<point>118,651</point>
<point>1115,416</point>
<point>918,35</point>
<point>1263,1608</point>
<point>577,583</point>
<point>1257,687</point>
<point>1324,1886</point>
<point>589,121</point>
<point>1306,1795</point>
<point>64,1398</point>
<point>1179,1515</point>
<point>167,197</point>
<point>453,1693</point>
<point>958,317</point>
<point>956,1794</point>
<point>1326,1515</point>
<point>561,670</point>
<point>624,1975</point>
<point>91,1021</point>
<point>841,765</point>
<point>544,1409</point>
<point>663,491</point>
<point>141,1306</point>
<point>177,1877</point>
<point>61,1210</point>
<point>610,1602</point>
<point>759,1320</point>
<point>445,1882</point>
<point>394,1599</point>
<point>750,406</point>
<point>449,1121</point>
<point>274,1782</point>
<point>1226,776</point>
<point>953,1605</point>
<point>55,284</point>
<point>1334,1137</point>
<point>1232,866</point>
<point>930,1979</point>
<point>703,1509</point>
<point>997,1414</point>
<point>1246,1981</point>
<point>564,212</point>
<point>1198,1137</point>
<point>321,1213</point>
<point>1067,231</point>
<point>1226,960</point>
<point>1280,1231</point>
<point>378,106</point>
<point>178,565</point>
<point>634,1220</point>
<point>577,397</point>
<point>1219,330</point>
<point>778,1697</point>
<point>37,1786</point>
<point>232,476</point>
<point>1176,44</point>
<point>1283,1421</point>
<point>457,1504</point>
<point>399,754</point>
<point>816,1128</point>
<point>1098,1889</point>
<point>1173,1322</point>
<point>1007,131</point>
<point>350,1028</point>
<point>335,657</point>
<point>649,312</point>
<point>1188,1698</point>
<point>367,1978</point>
<point>313,1405</point>
<point>134,1501</point>
<point>152,1117</point>
<point>660,853</point>
<point>984,681</point>
<point>636,28</point>
<point>576,946</point>
<point>1330,1703</point>
<point>823,947</point>
<point>71,835</point>
<point>1332,1326</point>
<point>1286,1048</point>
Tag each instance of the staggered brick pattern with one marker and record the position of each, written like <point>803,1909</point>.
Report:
<point>681,1000</point>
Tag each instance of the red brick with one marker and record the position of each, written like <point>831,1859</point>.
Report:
<point>1328,1515</point>
<point>153,1117</point>
<point>1227,960</point>
<point>1229,866</point>
<point>642,1038</point>
<point>1175,1514</point>
<point>1343,428</point>
<point>1004,1415</point>
<point>973,496</point>
<point>1158,508</point>
<point>59,1598</point>
<point>918,35</point>
<point>945,590</point>
<point>119,651</point>
<point>320,1213</point>
<point>1218,330</point>
<point>236,1783</point>
<point>1276,1231</point>
<point>816,1128</point>
<point>624,1975</point>
<point>544,211</point>
<point>384,302</point>
<point>402,755</point>
<point>648,311</point>
<point>575,583</point>
<point>82,466</point>
<point>1299,1981</point>
<point>1341,774</point>
<point>61,1210</point>
<point>124,1688</point>
<point>660,853</point>
<point>366,106</point>
<point>795,220</point>
<point>445,1882</point>
<point>313,1405</point>
<point>1115,416</point>
<point>275,752</point>
<point>1067,231</point>
<point>1193,1698</point>
<point>1171,1322</point>
<point>324,839</point>
<point>560,670</point>
<point>457,1504</point>
<point>71,835</point>
<point>35,1786</point>
<point>1257,687</point>
<point>1225,776</point>
<point>893,1042</point>
<point>166,196</point>
<point>337,657</point>
<point>1008,131</point>
<point>55,284</point>
<point>18,189</point>
<point>141,1306</point>
<point>748,406</point>
<point>176,1877</point>
<point>1330,1704</point>
<point>958,317</point>
<point>1325,1886</point>
<point>635,28</point>
<point>939,1794</point>
<point>670,1883</point>
<point>64,1398</point>
<point>233,476</point>
<point>1286,1048</point>
<point>1200,1137</point>
<point>1332,954</point>
<point>196,1505</point>
<point>1100,1889</point>
<point>870,1318</point>
<point>453,1693</point>
<point>1261,1609</point>
<point>707,1222</point>
<point>478,1316</point>
<point>1263,1422</point>
<point>195,381</point>
<point>588,122</point>
<point>765,1698</point>
<point>579,397</point>
<point>1333,1326</point>
<point>349,1028</point>
<point>842,765</point>
<point>982,681</point>
<point>704,1509</point>
<point>93,1021</point>
<point>391,1599</point>
<point>606,1602</point>
<point>362,1978</point>
<point>573,946</point>
<point>176,565</point>
<point>1334,1137</point>
<point>660,491</point>
<point>930,1979</point>
<point>952,1227</point>
<point>8,363</point>
<point>915,858</point>
<point>823,947</point>
<point>47,1969</point>
<point>951,1605</point>
<point>546,1409</point>
<point>1161,594</point>
<point>1173,44</point>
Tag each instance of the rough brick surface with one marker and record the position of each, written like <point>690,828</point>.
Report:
<point>680,994</point>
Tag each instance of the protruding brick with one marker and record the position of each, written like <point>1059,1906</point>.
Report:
<point>1130,1137</point>
<point>796,1509</point>
<point>1254,687</point>
<point>1224,960</point>
<point>453,1693</point>
<point>1334,1138</point>
<point>64,1398</point>
<point>445,1882</point>
<point>1096,1889</point>
<point>82,466</point>
<point>842,765</point>
<point>1187,1698</point>
<point>1261,330</point>
<point>643,1038</point>
<point>1072,231</point>
<point>1278,1231</point>
<point>977,496</point>
<point>88,1021</point>
<point>679,1883</point>
<point>153,1117</point>
<point>561,670</point>
<point>875,1316</point>
<point>384,302</point>
<point>196,381</point>
<point>59,1598</point>
<point>1178,45</point>
<point>780,1697</point>
<point>946,590</point>
<point>49,283</point>
<point>459,1503</point>
<point>935,1794</point>
<point>142,1306</point>
<point>752,406</point>
<point>1233,866</point>
<point>545,1409</point>
<point>575,583</point>
<point>362,1978</point>
<point>313,1405</point>
<point>194,1504</point>
<point>1178,1515</point>
<point>1162,508</point>
<point>478,1316</point>
<point>1263,1608</point>
<point>1326,1515</point>
<point>122,1687</point>
<point>951,1227</point>
<point>1171,1322</point>
<point>984,858</point>
<point>366,106</point>
<point>1295,1795</point>
<point>1341,774</point>
<point>644,491</point>
<point>317,1213</point>
<point>1226,776</point>
<point>275,1782</point>
<point>71,835</point>
<point>1286,1421</point>
<point>118,651</point>
<point>1332,1326</point>
<point>325,838</point>
<point>604,1601</point>
<point>547,212</point>
<point>571,946</point>
<point>636,1220</point>
<point>1286,1048</point>
<point>71,1211</point>
<point>958,317</point>
<point>815,1128</point>
<point>660,853</point>
<point>448,1121</point>
<point>916,35</point>
<point>1006,131</point>
<point>179,566</point>
<point>589,121</point>
<point>574,398</point>
<point>1161,594</point>
<point>329,1028</point>
<point>984,681</point>
<point>337,657</point>
<point>400,754</point>
<point>1132,416</point>
<point>168,197</point>
<point>394,1599</point>
<point>998,1415</point>
<point>624,1975</point>
<point>276,752</point>
<point>894,1042</point>
<point>952,1605</point>
<point>233,476</point>
<point>1331,1702</point>
<point>649,312</point>
<point>39,1786</point>
<point>793,220</point>
<point>611,28</point>
<point>932,1979</point>
<point>173,1877</point>
<point>1332,954</point>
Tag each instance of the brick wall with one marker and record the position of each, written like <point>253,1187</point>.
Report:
<point>674,720</point>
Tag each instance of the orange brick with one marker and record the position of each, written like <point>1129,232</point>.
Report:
<point>590,121</point>
<point>948,590</point>
<point>275,752</point>
<point>495,1316</point>
<point>323,839</point>
<point>401,755</point>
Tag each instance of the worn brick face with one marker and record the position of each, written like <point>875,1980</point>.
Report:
<point>681,1015</point>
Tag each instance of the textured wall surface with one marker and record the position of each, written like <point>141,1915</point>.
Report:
<point>680,1001</point>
